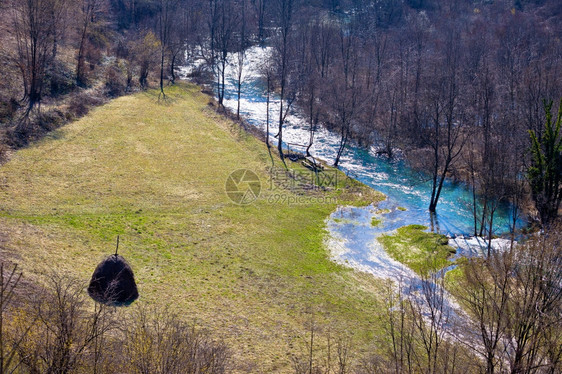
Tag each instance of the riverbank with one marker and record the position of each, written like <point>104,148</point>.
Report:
<point>255,275</point>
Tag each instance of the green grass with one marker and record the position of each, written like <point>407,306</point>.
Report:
<point>155,174</point>
<point>454,277</point>
<point>376,221</point>
<point>421,251</point>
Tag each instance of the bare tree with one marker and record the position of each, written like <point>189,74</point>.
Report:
<point>267,70</point>
<point>158,342</point>
<point>308,79</point>
<point>226,20</point>
<point>51,330</point>
<point>535,304</point>
<point>346,93</point>
<point>419,335</point>
<point>33,31</point>
<point>430,316</point>
<point>259,11</point>
<point>387,121</point>
<point>166,18</point>
<point>90,13</point>
<point>64,332</point>
<point>514,299</point>
<point>484,293</point>
<point>444,136</point>
<point>145,52</point>
<point>324,35</point>
<point>9,280</point>
<point>400,329</point>
<point>285,14</point>
<point>322,355</point>
<point>241,53</point>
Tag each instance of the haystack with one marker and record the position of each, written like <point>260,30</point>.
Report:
<point>113,282</point>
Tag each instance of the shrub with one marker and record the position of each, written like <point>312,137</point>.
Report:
<point>54,329</point>
<point>115,81</point>
<point>80,104</point>
<point>59,79</point>
<point>50,120</point>
<point>159,342</point>
<point>8,108</point>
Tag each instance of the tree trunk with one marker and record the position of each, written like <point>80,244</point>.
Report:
<point>267,114</point>
<point>239,89</point>
<point>162,73</point>
<point>280,133</point>
<point>439,187</point>
<point>172,67</point>
<point>311,122</point>
<point>80,81</point>
<point>343,142</point>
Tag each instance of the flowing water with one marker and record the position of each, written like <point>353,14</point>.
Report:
<point>352,237</point>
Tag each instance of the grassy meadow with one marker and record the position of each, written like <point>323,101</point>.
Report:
<point>154,173</point>
<point>421,251</point>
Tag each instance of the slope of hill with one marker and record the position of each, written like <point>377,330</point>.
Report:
<point>155,174</point>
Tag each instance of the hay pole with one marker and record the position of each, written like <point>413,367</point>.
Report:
<point>117,247</point>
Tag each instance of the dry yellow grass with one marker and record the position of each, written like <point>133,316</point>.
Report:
<point>155,174</point>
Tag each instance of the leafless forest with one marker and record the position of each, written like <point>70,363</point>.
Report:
<point>455,85</point>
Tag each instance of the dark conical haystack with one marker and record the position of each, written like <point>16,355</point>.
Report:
<point>113,282</point>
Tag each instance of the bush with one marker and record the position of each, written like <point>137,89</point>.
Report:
<point>80,104</point>
<point>55,329</point>
<point>8,108</point>
<point>115,81</point>
<point>59,79</point>
<point>50,120</point>
<point>159,342</point>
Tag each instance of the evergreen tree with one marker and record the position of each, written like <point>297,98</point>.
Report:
<point>545,172</point>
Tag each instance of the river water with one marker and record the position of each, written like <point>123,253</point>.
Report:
<point>352,240</point>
